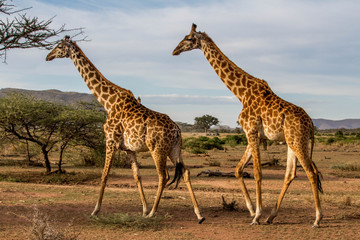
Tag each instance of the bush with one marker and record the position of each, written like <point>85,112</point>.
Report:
<point>339,135</point>
<point>233,140</point>
<point>201,144</point>
<point>330,140</point>
<point>97,158</point>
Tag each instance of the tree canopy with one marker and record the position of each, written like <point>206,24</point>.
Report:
<point>205,122</point>
<point>48,124</point>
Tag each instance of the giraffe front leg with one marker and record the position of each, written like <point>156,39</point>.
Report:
<point>255,153</point>
<point>110,149</point>
<point>239,175</point>
<point>137,178</point>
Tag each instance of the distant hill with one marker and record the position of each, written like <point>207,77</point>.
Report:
<point>336,124</point>
<point>54,95</point>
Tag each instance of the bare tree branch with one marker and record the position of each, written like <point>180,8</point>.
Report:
<point>23,31</point>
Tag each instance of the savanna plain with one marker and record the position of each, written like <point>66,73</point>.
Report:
<point>58,206</point>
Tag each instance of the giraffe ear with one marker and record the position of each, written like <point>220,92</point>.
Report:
<point>193,28</point>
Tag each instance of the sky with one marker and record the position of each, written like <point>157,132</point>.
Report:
<point>308,52</point>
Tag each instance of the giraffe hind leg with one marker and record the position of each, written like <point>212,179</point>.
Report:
<point>313,177</point>
<point>181,171</point>
<point>160,163</point>
<point>239,175</point>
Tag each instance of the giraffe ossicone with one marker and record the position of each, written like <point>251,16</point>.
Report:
<point>130,127</point>
<point>264,114</point>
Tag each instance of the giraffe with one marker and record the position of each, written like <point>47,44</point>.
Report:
<point>130,127</point>
<point>264,114</point>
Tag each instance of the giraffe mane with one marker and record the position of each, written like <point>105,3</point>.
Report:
<point>208,39</point>
<point>97,70</point>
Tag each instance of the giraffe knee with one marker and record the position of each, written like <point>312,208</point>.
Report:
<point>239,172</point>
<point>289,179</point>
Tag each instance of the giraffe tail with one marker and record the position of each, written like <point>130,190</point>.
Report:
<point>179,167</point>
<point>179,171</point>
<point>319,176</point>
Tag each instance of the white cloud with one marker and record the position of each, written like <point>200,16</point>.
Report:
<point>305,47</point>
<point>189,99</point>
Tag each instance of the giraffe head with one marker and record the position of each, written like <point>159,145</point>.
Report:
<point>62,50</point>
<point>190,42</point>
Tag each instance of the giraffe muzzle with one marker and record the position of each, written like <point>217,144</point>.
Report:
<point>49,57</point>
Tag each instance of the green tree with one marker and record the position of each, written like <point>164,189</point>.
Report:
<point>205,122</point>
<point>31,120</point>
<point>80,125</point>
<point>49,124</point>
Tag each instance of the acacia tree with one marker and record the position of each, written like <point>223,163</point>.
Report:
<point>31,120</point>
<point>80,125</point>
<point>49,124</point>
<point>205,122</point>
<point>18,30</point>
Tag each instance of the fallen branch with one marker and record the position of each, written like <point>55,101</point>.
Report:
<point>273,163</point>
<point>218,173</point>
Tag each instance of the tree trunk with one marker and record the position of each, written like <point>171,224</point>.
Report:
<point>62,148</point>
<point>28,152</point>
<point>46,158</point>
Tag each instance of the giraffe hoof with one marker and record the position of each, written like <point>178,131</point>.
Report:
<point>316,226</point>
<point>254,223</point>
<point>201,220</point>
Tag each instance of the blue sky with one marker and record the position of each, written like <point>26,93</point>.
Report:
<point>308,52</point>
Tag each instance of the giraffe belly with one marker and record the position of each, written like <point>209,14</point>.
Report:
<point>134,142</point>
<point>135,146</point>
<point>274,134</point>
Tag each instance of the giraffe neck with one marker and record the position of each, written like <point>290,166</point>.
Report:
<point>236,79</point>
<point>104,90</point>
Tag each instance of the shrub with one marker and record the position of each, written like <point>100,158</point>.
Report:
<point>233,140</point>
<point>339,135</point>
<point>201,144</point>
<point>97,158</point>
<point>357,135</point>
<point>330,140</point>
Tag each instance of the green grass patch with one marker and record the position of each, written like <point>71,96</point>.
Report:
<point>347,167</point>
<point>53,178</point>
<point>5,178</point>
<point>136,222</point>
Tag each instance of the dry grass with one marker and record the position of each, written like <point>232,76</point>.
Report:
<point>43,227</point>
<point>175,218</point>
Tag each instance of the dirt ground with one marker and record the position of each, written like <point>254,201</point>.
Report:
<point>68,206</point>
